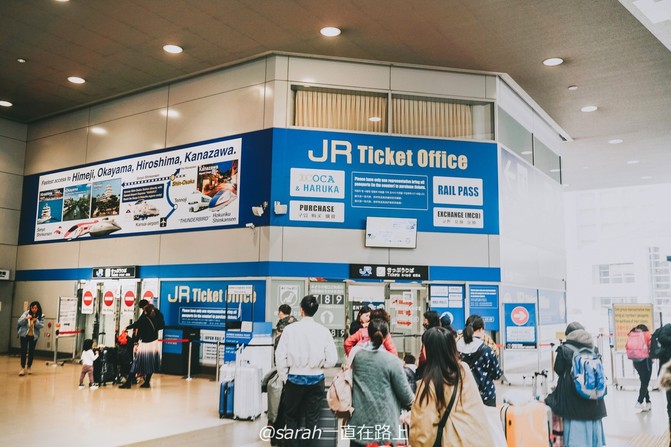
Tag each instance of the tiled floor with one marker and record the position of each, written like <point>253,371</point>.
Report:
<point>47,408</point>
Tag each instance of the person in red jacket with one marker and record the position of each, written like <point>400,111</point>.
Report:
<point>361,336</point>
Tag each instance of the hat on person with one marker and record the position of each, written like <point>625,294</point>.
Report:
<point>573,327</point>
<point>142,303</point>
<point>445,320</point>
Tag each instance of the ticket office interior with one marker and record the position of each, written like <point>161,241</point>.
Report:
<point>340,301</point>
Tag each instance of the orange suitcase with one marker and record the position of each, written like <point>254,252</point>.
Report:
<point>526,425</point>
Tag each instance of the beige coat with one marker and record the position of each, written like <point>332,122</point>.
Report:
<point>467,424</point>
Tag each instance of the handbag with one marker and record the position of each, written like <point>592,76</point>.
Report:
<point>339,395</point>
<point>443,420</point>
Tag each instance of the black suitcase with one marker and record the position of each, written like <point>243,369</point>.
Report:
<point>104,367</point>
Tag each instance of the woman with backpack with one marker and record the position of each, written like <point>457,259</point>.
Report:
<point>638,351</point>
<point>480,358</point>
<point>583,425</point>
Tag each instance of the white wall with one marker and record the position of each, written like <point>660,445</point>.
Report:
<point>12,156</point>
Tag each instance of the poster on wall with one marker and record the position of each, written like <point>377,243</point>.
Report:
<point>448,299</point>
<point>192,187</point>
<point>551,307</point>
<point>128,295</point>
<point>89,292</point>
<point>110,293</point>
<point>213,304</point>
<point>332,178</point>
<point>520,325</point>
<point>483,300</point>
<point>331,311</point>
<point>149,291</point>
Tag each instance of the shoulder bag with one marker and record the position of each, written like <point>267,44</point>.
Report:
<point>443,420</point>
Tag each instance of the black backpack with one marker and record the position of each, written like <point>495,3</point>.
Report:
<point>656,348</point>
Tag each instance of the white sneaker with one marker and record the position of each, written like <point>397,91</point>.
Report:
<point>647,406</point>
<point>640,406</point>
<point>29,371</point>
<point>81,387</point>
<point>22,372</point>
<point>93,387</point>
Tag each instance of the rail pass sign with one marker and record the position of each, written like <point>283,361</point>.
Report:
<point>191,187</point>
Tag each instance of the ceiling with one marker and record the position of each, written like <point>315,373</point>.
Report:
<point>613,52</point>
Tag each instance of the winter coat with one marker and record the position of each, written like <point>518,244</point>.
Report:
<point>565,400</point>
<point>484,366</point>
<point>665,340</point>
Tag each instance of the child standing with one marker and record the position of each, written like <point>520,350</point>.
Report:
<point>88,357</point>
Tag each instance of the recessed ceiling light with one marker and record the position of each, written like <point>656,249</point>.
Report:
<point>170,113</point>
<point>588,109</point>
<point>555,170</point>
<point>646,177</point>
<point>76,80</point>
<point>585,167</point>
<point>62,1</point>
<point>21,60</point>
<point>553,61</point>
<point>633,162</point>
<point>172,49</point>
<point>573,87</point>
<point>6,104</point>
<point>526,152</point>
<point>98,131</point>
<point>375,119</point>
<point>615,141</point>
<point>330,31</point>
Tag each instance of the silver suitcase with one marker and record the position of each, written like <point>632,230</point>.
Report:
<point>247,400</point>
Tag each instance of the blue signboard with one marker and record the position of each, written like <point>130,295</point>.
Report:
<point>212,304</point>
<point>551,307</point>
<point>520,325</point>
<point>483,300</point>
<point>331,179</point>
<point>448,299</point>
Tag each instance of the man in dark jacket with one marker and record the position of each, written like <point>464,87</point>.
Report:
<point>284,319</point>
<point>565,400</point>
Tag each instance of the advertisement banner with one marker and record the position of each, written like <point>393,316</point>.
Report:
<point>191,187</point>
<point>337,179</point>
<point>551,307</point>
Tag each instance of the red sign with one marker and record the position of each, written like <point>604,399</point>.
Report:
<point>148,295</point>
<point>129,298</point>
<point>108,298</point>
<point>88,298</point>
<point>520,315</point>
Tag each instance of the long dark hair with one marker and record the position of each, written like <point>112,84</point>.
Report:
<point>432,318</point>
<point>377,331</point>
<point>37,314</point>
<point>442,364</point>
<point>473,323</point>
